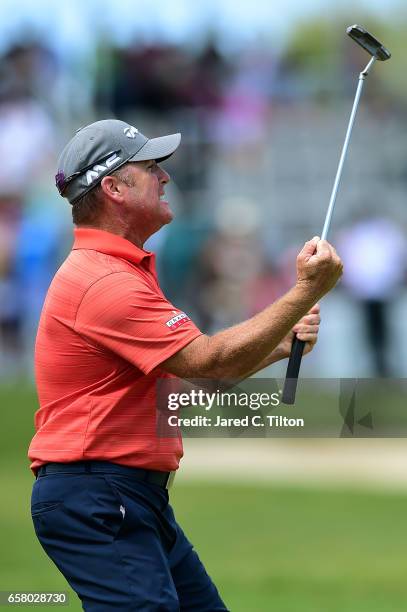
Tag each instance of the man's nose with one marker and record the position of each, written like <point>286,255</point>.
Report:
<point>164,177</point>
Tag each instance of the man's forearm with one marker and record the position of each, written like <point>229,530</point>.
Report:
<point>273,357</point>
<point>242,349</point>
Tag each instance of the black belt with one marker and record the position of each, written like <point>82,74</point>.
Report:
<point>161,479</point>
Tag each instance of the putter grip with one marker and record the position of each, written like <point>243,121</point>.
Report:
<point>293,368</point>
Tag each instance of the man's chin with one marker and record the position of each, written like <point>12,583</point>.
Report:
<point>168,216</point>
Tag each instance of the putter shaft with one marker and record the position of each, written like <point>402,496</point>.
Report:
<point>294,362</point>
<point>331,206</point>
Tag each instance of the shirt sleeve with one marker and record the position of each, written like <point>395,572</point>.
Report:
<point>131,318</point>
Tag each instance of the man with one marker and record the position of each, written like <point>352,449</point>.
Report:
<point>100,502</point>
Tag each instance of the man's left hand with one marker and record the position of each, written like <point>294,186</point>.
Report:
<point>306,329</point>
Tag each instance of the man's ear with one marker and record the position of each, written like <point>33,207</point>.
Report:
<point>112,188</point>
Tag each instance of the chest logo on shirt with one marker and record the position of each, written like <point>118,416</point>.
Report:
<point>178,320</point>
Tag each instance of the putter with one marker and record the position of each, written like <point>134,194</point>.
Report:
<point>378,52</point>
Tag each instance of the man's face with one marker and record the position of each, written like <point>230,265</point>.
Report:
<point>146,205</point>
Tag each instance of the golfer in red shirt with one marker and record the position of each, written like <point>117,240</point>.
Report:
<point>106,335</point>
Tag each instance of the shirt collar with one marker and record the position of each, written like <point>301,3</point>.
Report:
<point>110,244</point>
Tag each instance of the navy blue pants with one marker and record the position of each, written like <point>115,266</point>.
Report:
<point>116,541</point>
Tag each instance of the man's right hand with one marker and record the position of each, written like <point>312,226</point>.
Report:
<point>318,267</point>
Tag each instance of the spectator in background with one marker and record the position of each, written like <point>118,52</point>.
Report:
<point>26,146</point>
<point>43,238</point>
<point>229,261</point>
<point>266,287</point>
<point>161,78</point>
<point>26,69</point>
<point>246,105</point>
<point>10,315</point>
<point>169,83</point>
<point>374,254</point>
<point>26,141</point>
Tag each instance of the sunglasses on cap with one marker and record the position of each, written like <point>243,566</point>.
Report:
<point>62,181</point>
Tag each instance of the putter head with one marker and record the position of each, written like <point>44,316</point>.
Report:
<point>368,42</point>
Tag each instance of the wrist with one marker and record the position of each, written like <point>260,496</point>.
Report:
<point>278,355</point>
<point>307,292</point>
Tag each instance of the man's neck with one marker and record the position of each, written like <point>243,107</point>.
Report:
<point>126,233</point>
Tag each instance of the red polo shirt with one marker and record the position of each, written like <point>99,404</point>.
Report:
<point>104,330</point>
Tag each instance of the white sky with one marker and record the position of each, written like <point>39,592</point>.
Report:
<point>71,24</point>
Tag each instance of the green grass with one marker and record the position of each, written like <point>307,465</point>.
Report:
<point>267,548</point>
<point>307,550</point>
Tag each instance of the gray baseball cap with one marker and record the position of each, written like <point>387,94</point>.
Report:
<point>102,147</point>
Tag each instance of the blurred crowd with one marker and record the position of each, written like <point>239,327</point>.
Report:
<point>250,185</point>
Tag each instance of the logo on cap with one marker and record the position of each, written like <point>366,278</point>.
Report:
<point>98,169</point>
<point>130,131</point>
